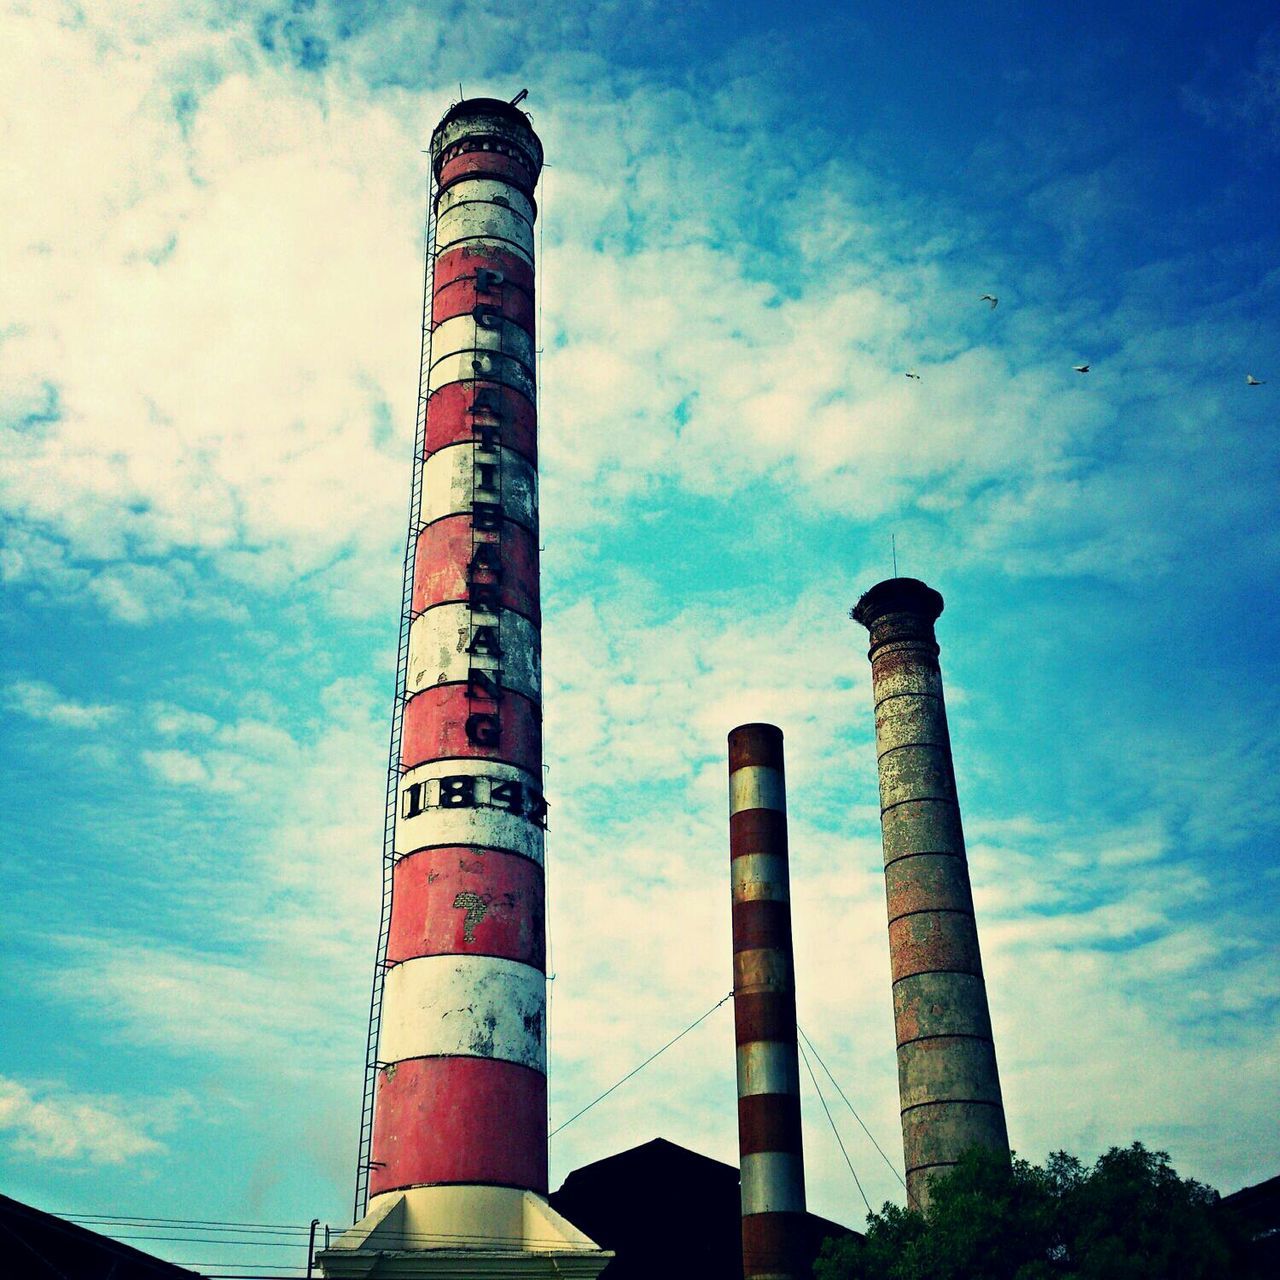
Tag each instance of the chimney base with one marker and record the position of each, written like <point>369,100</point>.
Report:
<point>462,1233</point>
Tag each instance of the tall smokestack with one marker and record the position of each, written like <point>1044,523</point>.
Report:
<point>764,1008</point>
<point>457,1156</point>
<point>947,1080</point>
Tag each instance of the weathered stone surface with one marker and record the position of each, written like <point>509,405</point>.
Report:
<point>922,826</point>
<point>913,773</point>
<point>910,718</point>
<point>949,1085</point>
<point>932,941</point>
<point>939,1134</point>
<point>927,882</point>
<point>940,1004</point>
<point>951,1068</point>
<point>901,671</point>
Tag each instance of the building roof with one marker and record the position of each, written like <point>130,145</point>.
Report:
<point>1257,1209</point>
<point>660,1200</point>
<point>41,1246</point>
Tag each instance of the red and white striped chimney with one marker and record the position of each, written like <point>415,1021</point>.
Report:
<point>771,1156</point>
<point>458,1155</point>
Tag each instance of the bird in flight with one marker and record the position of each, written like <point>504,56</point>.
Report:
<point>1081,368</point>
<point>916,376</point>
<point>991,298</point>
<point>1254,382</point>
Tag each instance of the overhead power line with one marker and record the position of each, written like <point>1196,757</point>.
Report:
<point>129,1219</point>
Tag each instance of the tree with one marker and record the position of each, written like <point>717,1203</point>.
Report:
<point>1129,1217</point>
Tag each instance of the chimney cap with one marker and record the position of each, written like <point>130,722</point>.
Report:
<point>897,595</point>
<point>485,106</point>
<point>487,117</point>
<point>755,743</point>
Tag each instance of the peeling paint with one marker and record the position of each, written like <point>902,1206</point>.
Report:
<point>476,906</point>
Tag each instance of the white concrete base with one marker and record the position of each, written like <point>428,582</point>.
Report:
<point>469,1233</point>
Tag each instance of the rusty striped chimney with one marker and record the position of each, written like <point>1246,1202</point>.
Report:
<point>947,1080</point>
<point>771,1160</point>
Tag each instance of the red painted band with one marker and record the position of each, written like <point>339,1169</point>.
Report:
<point>461,298</point>
<point>446,552</point>
<point>769,1122</point>
<point>755,744</point>
<point>450,417</point>
<point>435,728</point>
<point>762,922</point>
<point>757,831</point>
<point>459,1120</point>
<point>774,1244</point>
<point>765,1015</point>
<point>486,164</point>
<point>462,263</point>
<point>460,900</point>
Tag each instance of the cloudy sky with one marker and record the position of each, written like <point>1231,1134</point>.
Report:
<point>753,225</point>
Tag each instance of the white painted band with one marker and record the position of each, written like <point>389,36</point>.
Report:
<point>494,190</point>
<point>767,1066</point>
<point>449,484</point>
<point>762,969</point>
<point>439,638</point>
<point>467,366</point>
<point>485,825</point>
<point>465,334</point>
<point>464,1006</point>
<point>760,877</point>
<point>756,786</point>
<point>772,1182</point>
<point>487,221</point>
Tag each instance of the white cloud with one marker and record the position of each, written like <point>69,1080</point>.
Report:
<point>182,768</point>
<point>46,1122</point>
<point>226,306</point>
<point>173,721</point>
<point>40,701</point>
<point>287,930</point>
<point>227,298</point>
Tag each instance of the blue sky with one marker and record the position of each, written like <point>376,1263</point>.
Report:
<point>753,224</point>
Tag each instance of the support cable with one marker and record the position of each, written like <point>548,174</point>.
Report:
<point>636,1070</point>
<point>832,1123</point>
<point>892,1167</point>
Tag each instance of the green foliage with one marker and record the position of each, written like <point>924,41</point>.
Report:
<point>1130,1217</point>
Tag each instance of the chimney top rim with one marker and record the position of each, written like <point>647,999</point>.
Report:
<point>897,595</point>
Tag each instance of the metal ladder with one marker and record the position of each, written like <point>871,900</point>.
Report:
<point>364,1161</point>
